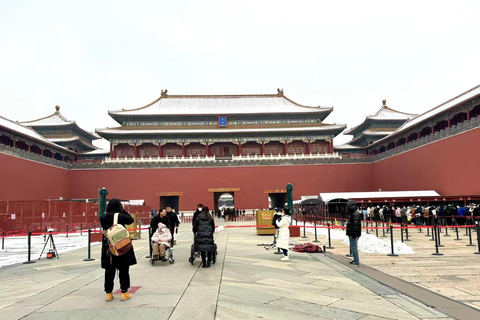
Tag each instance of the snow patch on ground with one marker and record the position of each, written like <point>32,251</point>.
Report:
<point>16,248</point>
<point>368,243</point>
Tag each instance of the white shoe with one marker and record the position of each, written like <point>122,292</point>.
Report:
<point>285,258</point>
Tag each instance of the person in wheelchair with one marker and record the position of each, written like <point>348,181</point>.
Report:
<point>161,240</point>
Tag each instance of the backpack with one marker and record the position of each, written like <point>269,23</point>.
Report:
<point>118,238</point>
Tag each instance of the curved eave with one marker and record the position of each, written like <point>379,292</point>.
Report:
<point>77,141</point>
<point>345,147</point>
<point>322,114</point>
<point>139,113</point>
<point>87,134</point>
<point>364,136</point>
<point>400,115</point>
<point>71,125</point>
<point>332,129</point>
<point>362,126</point>
<point>38,122</point>
<point>40,141</point>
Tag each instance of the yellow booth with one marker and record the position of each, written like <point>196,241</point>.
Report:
<point>136,233</point>
<point>264,217</point>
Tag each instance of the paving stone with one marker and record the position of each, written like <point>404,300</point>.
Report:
<point>322,312</point>
<point>388,312</point>
<point>369,298</point>
<point>247,294</point>
<point>337,278</point>
<point>17,311</point>
<point>196,303</point>
<point>292,285</point>
<point>98,302</point>
<point>285,292</point>
<point>236,276</point>
<point>229,314</point>
<point>260,309</point>
<point>287,277</point>
<point>158,313</point>
<point>59,291</point>
<point>372,317</point>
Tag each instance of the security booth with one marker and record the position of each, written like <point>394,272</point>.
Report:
<point>313,207</point>
<point>264,220</point>
<point>338,208</point>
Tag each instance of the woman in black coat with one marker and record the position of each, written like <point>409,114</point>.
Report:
<point>111,262</point>
<point>203,228</point>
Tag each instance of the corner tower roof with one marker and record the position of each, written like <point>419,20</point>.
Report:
<point>384,114</point>
<point>57,120</point>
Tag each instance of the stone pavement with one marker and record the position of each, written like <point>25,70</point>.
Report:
<point>247,282</point>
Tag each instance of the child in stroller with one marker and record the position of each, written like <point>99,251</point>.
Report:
<point>161,240</point>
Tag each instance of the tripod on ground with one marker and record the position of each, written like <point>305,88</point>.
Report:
<point>53,250</point>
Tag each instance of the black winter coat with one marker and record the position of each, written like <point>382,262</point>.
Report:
<point>476,212</point>
<point>203,228</point>
<point>126,259</point>
<point>172,216</point>
<point>354,225</point>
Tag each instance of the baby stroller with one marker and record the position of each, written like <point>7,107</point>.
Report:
<point>161,237</point>
<point>194,255</point>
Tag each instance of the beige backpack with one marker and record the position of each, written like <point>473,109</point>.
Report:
<point>118,238</point>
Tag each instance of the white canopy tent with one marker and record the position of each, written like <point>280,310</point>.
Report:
<point>327,196</point>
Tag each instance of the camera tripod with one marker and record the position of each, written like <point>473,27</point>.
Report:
<point>52,246</point>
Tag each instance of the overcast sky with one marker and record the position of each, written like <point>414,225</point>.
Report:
<point>93,56</point>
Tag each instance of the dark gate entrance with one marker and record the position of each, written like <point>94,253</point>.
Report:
<point>169,198</point>
<point>277,198</point>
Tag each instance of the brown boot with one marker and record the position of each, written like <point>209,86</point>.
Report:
<point>109,297</point>
<point>125,296</point>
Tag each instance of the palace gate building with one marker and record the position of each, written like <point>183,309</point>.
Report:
<point>221,126</point>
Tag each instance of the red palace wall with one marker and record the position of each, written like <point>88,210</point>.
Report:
<point>195,182</point>
<point>27,180</point>
<point>450,166</point>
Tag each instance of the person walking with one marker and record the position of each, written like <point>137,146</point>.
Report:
<point>112,263</point>
<point>283,240</point>
<point>196,213</point>
<point>174,222</point>
<point>203,228</point>
<point>354,231</point>
<point>160,217</point>
<point>276,216</point>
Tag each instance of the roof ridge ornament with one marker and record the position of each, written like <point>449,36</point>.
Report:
<point>280,92</point>
<point>384,102</point>
<point>164,93</point>
<point>57,108</point>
